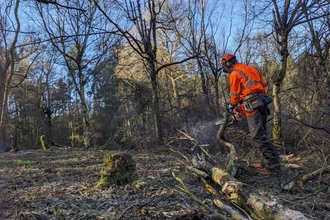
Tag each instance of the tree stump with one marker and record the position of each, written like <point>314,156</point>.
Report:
<point>119,169</point>
<point>13,143</point>
<point>43,142</point>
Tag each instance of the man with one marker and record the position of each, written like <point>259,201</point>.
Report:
<point>249,88</point>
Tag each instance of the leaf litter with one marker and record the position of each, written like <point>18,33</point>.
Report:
<point>61,184</point>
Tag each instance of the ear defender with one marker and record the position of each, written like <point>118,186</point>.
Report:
<point>228,64</point>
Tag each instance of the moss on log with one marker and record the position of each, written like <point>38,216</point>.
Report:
<point>119,169</point>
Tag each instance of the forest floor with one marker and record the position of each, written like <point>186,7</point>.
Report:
<point>61,184</point>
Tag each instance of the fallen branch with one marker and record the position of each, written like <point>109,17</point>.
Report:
<point>312,175</point>
<point>228,209</point>
<point>197,171</point>
<point>193,140</point>
<point>235,214</point>
<point>314,193</point>
<point>128,208</point>
<point>185,189</point>
<point>300,182</point>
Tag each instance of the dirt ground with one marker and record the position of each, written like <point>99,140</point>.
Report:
<point>61,184</point>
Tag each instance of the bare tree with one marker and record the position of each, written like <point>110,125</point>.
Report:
<point>147,19</point>
<point>212,52</point>
<point>314,80</point>
<point>286,16</point>
<point>320,39</point>
<point>7,60</point>
<point>84,41</point>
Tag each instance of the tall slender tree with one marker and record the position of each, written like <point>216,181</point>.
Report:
<point>7,61</point>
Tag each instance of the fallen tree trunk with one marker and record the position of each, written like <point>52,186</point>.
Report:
<point>259,205</point>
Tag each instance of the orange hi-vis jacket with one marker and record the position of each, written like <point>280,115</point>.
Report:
<point>245,80</point>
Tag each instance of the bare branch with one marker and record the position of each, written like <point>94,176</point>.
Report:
<point>55,3</point>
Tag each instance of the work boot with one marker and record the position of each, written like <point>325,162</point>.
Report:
<point>260,169</point>
<point>274,170</point>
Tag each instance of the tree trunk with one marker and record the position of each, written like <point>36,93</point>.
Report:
<point>8,77</point>
<point>277,120</point>
<point>155,106</point>
<point>13,143</point>
<point>217,95</point>
<point>277,81</point>
<point>85,119</point>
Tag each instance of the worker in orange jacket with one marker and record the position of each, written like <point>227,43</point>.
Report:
<point>249,88</point>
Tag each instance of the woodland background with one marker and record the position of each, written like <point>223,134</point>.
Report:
<point>145,76</point>
<point>87,73</point>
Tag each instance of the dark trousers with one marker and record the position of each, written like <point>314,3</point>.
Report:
<point>257,127</point>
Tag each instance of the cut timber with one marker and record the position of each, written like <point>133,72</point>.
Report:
<point>258,204</point>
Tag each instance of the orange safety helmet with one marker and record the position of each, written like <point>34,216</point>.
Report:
<point>226,58</point>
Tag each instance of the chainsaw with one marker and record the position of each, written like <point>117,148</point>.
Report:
<point>236,115</point>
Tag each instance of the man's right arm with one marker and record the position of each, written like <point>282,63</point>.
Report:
<point>234,88</point>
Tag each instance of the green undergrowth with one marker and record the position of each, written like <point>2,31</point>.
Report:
<point>17,162</point>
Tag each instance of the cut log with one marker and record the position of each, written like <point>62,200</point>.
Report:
<point>258,204</point>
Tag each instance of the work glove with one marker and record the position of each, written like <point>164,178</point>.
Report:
<point>230,108</point>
